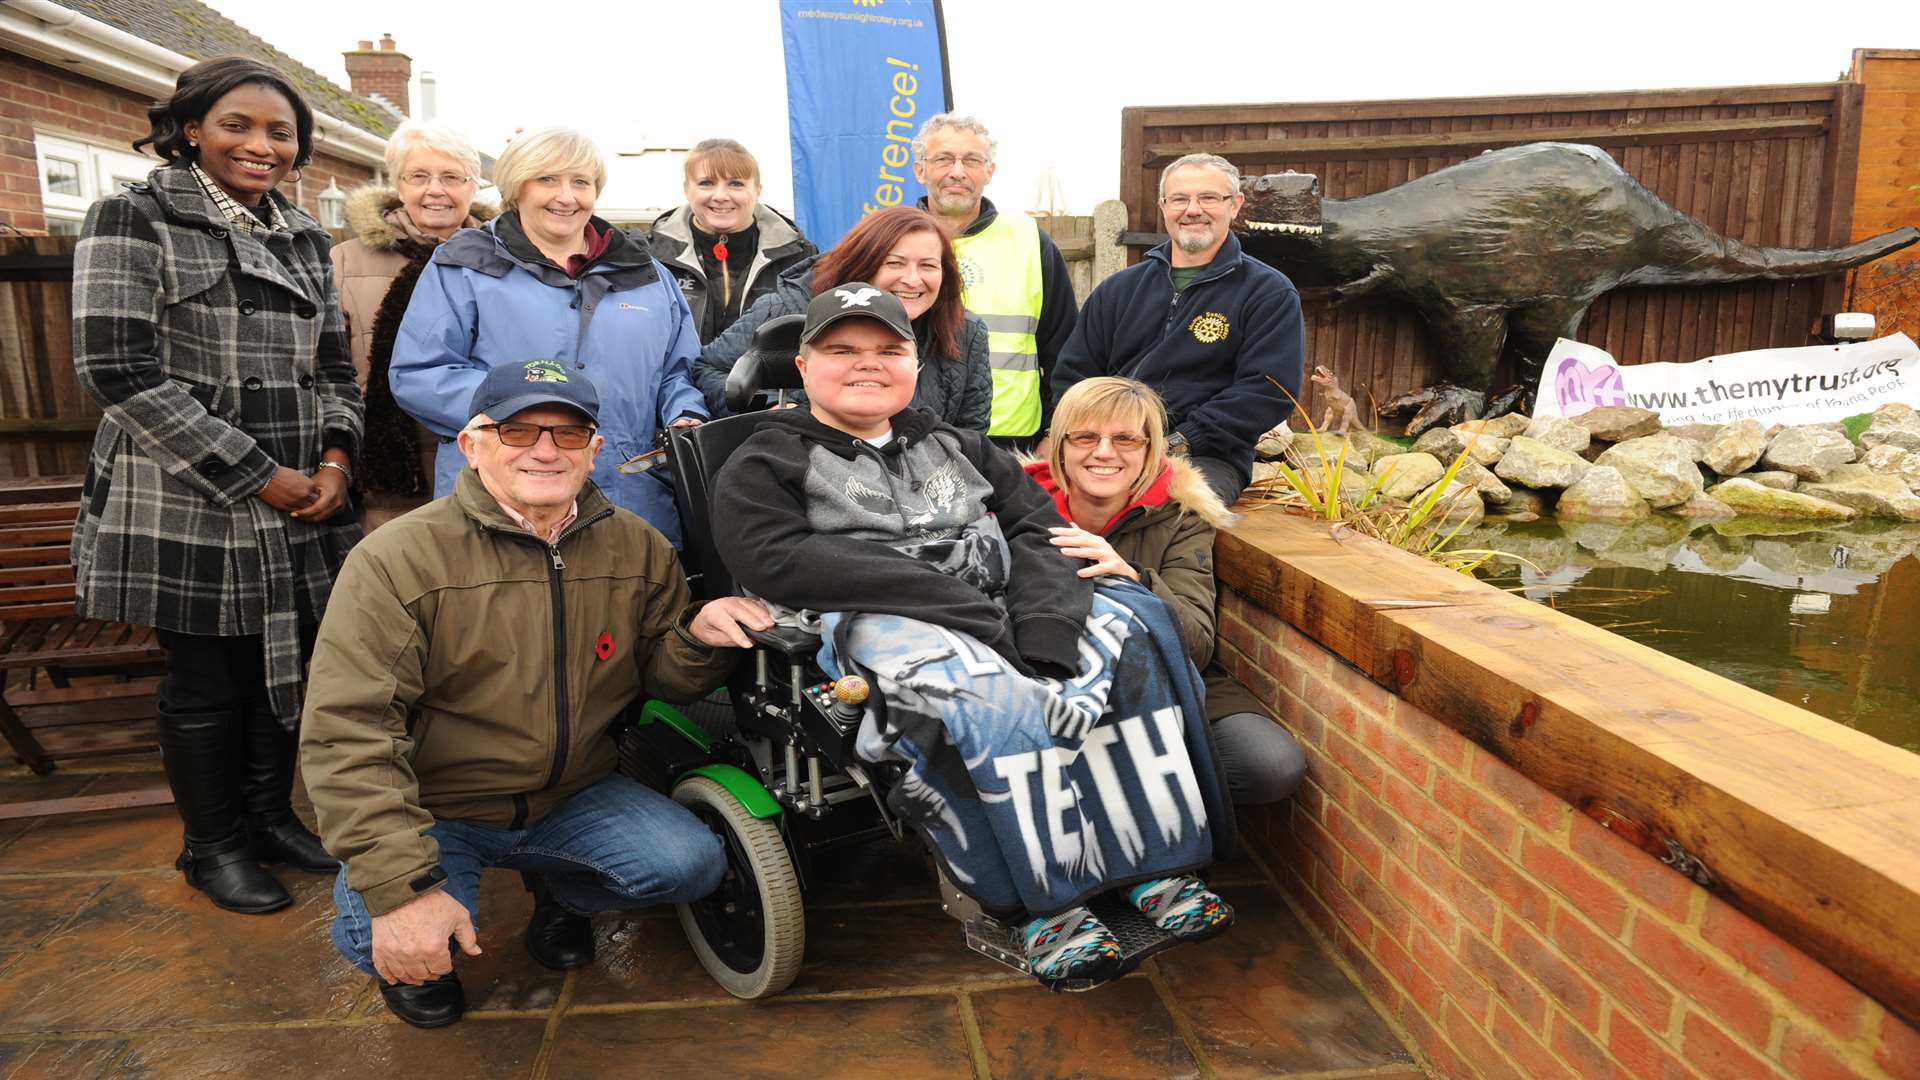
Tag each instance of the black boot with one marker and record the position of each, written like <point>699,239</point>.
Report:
<point>201,752</point>
<point>429,1005</point>
<point>277,835</point>
<point>556,937</point>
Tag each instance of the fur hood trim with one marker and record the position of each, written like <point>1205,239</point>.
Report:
<point>1191,491</point>
<point>366,213</point>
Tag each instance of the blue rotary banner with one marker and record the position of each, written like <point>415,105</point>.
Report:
<point>862,75</point>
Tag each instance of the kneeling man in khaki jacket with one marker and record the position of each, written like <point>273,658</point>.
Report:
<point>474,657</point>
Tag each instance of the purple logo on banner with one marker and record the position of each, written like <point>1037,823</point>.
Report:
<point>1580,387</point>
<point>861,79</point>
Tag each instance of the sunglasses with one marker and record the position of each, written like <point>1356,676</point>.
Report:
<point>565,436</point>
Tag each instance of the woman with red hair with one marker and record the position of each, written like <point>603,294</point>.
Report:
<point>903,251</point>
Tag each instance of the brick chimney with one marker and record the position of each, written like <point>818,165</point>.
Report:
<point>383,71</point>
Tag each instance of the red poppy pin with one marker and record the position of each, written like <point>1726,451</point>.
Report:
<point>603,646</point>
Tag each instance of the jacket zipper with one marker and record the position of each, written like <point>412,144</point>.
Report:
<point>562,707</point>
<point>1173,306</point>
<point>560,697</point>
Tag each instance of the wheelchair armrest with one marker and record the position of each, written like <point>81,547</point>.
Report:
<point>793,642</point>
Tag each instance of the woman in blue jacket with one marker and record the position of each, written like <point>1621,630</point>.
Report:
<point>547,279</point>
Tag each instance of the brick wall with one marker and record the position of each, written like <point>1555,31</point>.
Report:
<point>1508,935</point>
<point>33,94</point>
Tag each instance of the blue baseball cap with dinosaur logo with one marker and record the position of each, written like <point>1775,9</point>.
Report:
<point>509,389</point>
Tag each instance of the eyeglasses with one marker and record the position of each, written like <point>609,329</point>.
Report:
<point>1207,200</point>
<point>973,162</point>
<point>420,179</point>
<point>1126,442</point>
<point>565,436</point>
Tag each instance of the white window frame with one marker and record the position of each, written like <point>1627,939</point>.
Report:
<point>100,167</point>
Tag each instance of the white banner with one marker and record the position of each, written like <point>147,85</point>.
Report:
<point>1811,385</point>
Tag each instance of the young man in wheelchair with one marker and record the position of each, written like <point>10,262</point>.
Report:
<point>1047,728</point>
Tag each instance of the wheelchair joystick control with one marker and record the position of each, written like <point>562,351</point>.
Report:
<point>850,692</point>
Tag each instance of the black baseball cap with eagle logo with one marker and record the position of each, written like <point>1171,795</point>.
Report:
<point>856,298</point>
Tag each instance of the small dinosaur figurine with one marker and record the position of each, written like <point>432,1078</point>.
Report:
<point>1341,415</point>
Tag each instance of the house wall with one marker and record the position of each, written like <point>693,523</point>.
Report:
<point>36,95</point>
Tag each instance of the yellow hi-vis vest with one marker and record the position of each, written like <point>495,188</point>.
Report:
<point>1000,265</point>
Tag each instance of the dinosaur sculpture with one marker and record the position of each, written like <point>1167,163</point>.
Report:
<point>1515,243</point>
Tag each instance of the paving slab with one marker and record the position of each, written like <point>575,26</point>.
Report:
<point>848,949</point>
<point>494,1049</point>
<point>1265,1000</point>
<point>1118,1032</point>
<point>149,953</point>
<point>31,909</point>
<point>53,1060</point>
<point>918,1037</point>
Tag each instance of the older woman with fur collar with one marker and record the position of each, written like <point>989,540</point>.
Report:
<point>1142,513</point>
<point>436,175</point>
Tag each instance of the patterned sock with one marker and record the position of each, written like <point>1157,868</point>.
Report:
<point>1183,907</point>
<point>1071,945</point>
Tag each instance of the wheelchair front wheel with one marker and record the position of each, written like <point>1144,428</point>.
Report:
<point>749,933</point>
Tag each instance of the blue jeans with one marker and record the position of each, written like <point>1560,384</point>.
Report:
<point>616,846</point>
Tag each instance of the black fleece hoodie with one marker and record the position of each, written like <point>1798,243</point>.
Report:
<point>766,534</point>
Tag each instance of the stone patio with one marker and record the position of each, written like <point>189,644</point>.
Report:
<point>111,966</point>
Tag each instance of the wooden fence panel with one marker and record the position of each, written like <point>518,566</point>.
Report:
<point>1764,164</point>
<point>46,420</point>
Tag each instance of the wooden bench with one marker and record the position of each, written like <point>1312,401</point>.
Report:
<point>74,687</point>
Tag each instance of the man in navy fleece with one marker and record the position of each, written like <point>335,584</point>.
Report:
<point>1216,332</point>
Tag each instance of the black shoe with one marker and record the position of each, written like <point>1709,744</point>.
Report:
<point>430,1005</point>
<point>290,842</point>
<point>230,876</point>
<point>556,937</point>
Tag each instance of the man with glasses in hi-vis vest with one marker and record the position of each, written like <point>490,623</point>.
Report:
<point>1015,277</point>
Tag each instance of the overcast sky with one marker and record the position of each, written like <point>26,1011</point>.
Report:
<point>1049,77</point>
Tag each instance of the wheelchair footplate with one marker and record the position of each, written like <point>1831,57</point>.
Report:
<point>1139,939</point>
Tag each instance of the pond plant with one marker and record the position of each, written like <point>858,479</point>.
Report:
<point>1312,478</point>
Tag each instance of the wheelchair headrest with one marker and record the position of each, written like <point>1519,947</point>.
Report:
<point>768,362</point>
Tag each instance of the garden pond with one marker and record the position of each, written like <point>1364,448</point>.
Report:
<point>1828,619</point>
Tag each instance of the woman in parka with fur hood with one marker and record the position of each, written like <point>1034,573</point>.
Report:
<point>725,248</point>
<point>436,175</point>
<point>1144,514</point>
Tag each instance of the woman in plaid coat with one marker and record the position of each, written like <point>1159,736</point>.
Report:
<point>215,509</point>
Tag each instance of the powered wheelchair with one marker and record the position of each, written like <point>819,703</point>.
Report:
<point>769,764</point>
